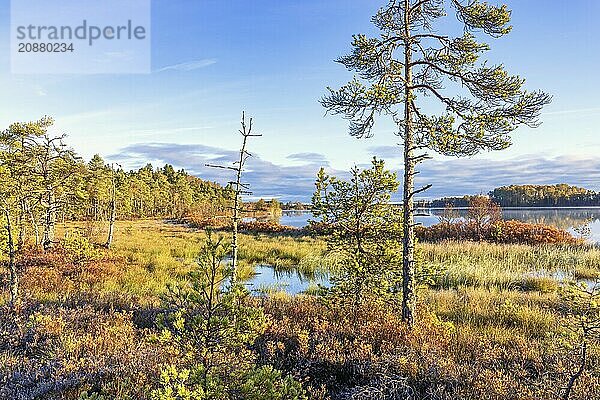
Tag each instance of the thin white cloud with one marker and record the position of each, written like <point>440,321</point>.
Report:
<point>189,65</point>
<point>574,111</point>
<point>155,132</point>
<point>309,158</point>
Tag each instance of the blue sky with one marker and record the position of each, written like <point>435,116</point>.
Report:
<point>213,59</point>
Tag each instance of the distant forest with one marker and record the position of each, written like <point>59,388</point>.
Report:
<point>146,193</point>
<point>560,195</point>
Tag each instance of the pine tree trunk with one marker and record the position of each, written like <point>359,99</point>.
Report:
<point>49,222</point>
<point>113,212</point>
<point>111,224</point>
<point>36,228</point>
<point>12,264</point>
<point>408,241</point>
<point>22,225</point>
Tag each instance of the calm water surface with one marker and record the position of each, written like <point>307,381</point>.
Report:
<point>269,279</point>
<point>569,219</point>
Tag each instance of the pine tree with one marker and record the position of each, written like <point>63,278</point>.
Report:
<point>364,231</point>
<point>480,104</point>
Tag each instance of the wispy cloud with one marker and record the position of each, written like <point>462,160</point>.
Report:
<point>28,84</point>
<point>387,152</point>
<point>189,65</point>
<point>296,182</point>
<point>165,131</point>
<point>594,110</point>
<point>309,158</point>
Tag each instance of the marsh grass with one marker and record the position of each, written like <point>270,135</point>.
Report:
<point>509,267</point>
<point>503,312</point>
<point>150,254</point>
<point>494,308</point>
<point>281,251</point>
<point>587,273</point>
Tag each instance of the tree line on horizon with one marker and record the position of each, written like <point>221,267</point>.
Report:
<point>148,192</point>
<point>559,195</point>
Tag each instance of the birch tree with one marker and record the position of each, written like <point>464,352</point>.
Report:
<point>436,89</point>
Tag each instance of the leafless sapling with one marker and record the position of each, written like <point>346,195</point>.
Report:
<point>239,188</point>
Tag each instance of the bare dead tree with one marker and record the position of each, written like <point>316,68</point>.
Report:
<point>11,252</point>
<point>239,188</point>
<point>113,207</point>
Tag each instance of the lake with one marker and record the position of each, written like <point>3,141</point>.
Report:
<point>568,219</point>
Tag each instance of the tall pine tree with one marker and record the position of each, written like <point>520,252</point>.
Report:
<point>480,104</point>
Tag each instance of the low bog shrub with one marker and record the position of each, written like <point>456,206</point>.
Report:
<point>509,232</point>
<point>266,227</point>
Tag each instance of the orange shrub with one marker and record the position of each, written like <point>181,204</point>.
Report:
<point>57,352</point>
<point>513,232</point>
<point>266,227</point>
<point>318,228</point>
<point>522,232</point>
<point>202,221</point>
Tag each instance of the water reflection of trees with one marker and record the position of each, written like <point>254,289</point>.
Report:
<point>560,218</point>
<point>303,275</point>
<point>563,219</point>
<point>286,214</point>
<point>295,213</point>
